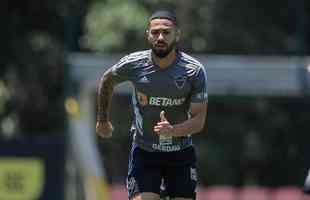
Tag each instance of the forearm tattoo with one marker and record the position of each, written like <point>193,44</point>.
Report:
<point>104,96</point>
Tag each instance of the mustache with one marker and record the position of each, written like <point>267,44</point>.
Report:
<point>160,43</point>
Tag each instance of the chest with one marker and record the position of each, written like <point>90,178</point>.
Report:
<point>172,82</point>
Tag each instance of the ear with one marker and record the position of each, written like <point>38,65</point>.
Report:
<point>178,35</point>
<point>147,33</point>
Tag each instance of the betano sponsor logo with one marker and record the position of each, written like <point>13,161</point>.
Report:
<point>159,101</point>
<point>163,101</point>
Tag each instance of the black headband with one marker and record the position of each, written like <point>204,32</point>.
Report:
<point>164,14</point>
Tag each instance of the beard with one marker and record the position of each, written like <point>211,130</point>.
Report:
<point>163,52</point>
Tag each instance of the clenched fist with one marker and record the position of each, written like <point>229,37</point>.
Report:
<point>104,129</point>
<point>163,127</point>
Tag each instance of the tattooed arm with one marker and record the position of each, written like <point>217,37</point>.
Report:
<point>104,127</point>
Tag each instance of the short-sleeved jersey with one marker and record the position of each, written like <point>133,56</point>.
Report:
<point>171,89</point>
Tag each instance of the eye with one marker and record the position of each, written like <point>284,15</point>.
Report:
<point>166,32</point>
<point>155,32</point>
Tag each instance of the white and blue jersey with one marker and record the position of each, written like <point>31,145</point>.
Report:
<point>171,89</point>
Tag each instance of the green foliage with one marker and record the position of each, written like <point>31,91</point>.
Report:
<point>208,26</point>
<point>108,22</point>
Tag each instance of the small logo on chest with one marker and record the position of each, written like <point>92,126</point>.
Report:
<point>179,82</point>
<point>144,79</point>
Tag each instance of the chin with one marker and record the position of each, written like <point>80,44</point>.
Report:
<point>161,54</point>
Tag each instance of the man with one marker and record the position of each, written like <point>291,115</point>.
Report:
<point>170,104</point>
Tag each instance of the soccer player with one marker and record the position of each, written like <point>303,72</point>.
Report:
<point>170,104</point>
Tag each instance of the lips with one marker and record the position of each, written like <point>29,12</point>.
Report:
<point>161,45</point>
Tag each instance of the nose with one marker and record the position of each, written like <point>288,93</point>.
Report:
<point>160,36</point>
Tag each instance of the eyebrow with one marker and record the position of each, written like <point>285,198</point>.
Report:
<point>162,28</point>
<point>165,27</point>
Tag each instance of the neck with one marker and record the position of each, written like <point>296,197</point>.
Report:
<point>166,61</point>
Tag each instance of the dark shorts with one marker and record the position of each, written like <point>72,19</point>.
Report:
<point>147,170</point>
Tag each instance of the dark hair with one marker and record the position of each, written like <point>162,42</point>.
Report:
<point>164,14</point>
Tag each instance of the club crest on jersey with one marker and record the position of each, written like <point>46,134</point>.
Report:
<point>180,81</point>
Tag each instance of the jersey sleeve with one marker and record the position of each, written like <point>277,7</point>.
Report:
<point>199,93</point>
<point>122,70</point>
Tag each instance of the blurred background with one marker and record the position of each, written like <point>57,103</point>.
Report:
<point>256,54</point>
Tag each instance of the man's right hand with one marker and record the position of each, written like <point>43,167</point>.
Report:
<point>104,129</point>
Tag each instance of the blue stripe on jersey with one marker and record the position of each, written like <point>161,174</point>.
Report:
<point>190,62</point>
<point>134,57</point>
<point>190,59</point>
<point>206,80</point>
<point>138,116</point>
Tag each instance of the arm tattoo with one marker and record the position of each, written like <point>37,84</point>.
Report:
<point>104,96</point>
